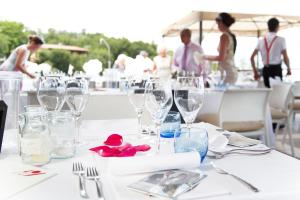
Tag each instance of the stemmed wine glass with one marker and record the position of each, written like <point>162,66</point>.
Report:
<point>159,101</point>
<point>51,92</point>
<point>189,97</point>
<point>136,95</point>
<point>77,93</point>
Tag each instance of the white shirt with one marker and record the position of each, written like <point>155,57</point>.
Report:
<point>192,66</point>
<point>10,63</point>
<point>276,50</point>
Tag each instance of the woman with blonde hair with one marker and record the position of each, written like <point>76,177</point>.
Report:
<point>17,59</point>
<point>162,63</point>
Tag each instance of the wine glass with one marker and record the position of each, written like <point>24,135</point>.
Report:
<point>189,96</point>
<point>136,95</point>
<point>159,100</point>
<point>51,92</point>
<point>77,93</point>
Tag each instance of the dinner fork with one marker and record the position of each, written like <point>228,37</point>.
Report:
<point>222,171</point>
<point>241,151</point>
<point>79,171</point>
<point>222,155</point>
<point>92,174</point>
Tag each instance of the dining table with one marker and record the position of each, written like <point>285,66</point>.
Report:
<point>275,174</point>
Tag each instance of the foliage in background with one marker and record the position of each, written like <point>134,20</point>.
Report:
<point>13,34</point>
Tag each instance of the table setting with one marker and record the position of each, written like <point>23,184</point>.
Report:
<point>115,159</point>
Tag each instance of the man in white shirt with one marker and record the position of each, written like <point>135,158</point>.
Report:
<point>271,48</point>
<point>184,55</point>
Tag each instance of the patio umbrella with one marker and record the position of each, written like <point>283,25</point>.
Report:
<point>246,24</point>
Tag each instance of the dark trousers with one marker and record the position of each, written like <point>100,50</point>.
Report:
<point>271,71</point>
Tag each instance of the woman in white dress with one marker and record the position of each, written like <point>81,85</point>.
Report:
<point>227,47</point>
<point>162,63</point>
<point>17,59</point>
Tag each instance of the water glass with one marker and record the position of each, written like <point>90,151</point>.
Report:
<point>194,139</point>
<point>170,127</point>
<point>51,92</point>
<point>62,129</point>
<point>189,97</point>
<point>158,102</point>
<point>77,94</point>
<point>34,108</point>
<point>136,94</point>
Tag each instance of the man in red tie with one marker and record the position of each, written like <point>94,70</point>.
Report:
<point>184,55</point>
<point>271,48</point>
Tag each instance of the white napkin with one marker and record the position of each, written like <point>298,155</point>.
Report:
<point>12,183</point>
<point>151,163</point>
<point>216,140</point>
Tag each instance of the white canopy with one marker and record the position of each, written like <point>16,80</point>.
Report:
<point>245,25</point>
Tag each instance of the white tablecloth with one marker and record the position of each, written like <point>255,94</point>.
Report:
<point>275,174</point>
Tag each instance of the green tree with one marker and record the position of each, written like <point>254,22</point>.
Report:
<point>59,59</point>
<point>12,34</point>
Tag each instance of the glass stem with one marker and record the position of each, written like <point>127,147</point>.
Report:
<point>157,126</point>
<point>139,116</point>
<point>189,126</point>
<point>77,129</point>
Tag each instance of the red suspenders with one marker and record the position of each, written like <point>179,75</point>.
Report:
<point>268,48</point>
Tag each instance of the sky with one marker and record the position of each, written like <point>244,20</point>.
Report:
<point>135,19</point>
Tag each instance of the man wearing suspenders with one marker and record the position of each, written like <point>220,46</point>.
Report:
<point>271,47</point>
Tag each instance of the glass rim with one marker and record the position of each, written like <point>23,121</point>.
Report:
<point>193,128</point>
<point>172,112</point>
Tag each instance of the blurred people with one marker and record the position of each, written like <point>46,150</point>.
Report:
<point>271,48</point>
<point>184,55</point>
<point>145,62</point>
<point>123,61</point>
<point>227,47</point>
<point>18,58</point>
<point>162,63</point>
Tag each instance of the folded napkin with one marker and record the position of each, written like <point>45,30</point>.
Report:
<point>216,140</point>
<point>16,178</point>
<point>151,163</point>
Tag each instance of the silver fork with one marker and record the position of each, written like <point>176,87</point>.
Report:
<point>218,154</point>
<point>79,171</point>
<point>222,171</point>
<point>92,174</point>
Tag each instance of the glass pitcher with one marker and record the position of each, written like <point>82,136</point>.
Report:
<point>35,142</point>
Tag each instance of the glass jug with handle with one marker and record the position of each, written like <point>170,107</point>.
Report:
<point>35,141</point>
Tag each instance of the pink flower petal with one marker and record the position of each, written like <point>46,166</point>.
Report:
<point>114,140</point>
<point>143,147</point>
<point>127,152</point>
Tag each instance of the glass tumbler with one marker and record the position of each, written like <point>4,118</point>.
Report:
<point>195,140</point>
<point>170,126</point>
<point>62,128</point>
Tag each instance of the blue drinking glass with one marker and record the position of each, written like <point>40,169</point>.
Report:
<point>195,140</point>
<point>171,125</point>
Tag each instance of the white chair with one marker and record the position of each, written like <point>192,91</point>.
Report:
<point>279,100</point>
<point>245,111</point>
<point>294,106</point>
